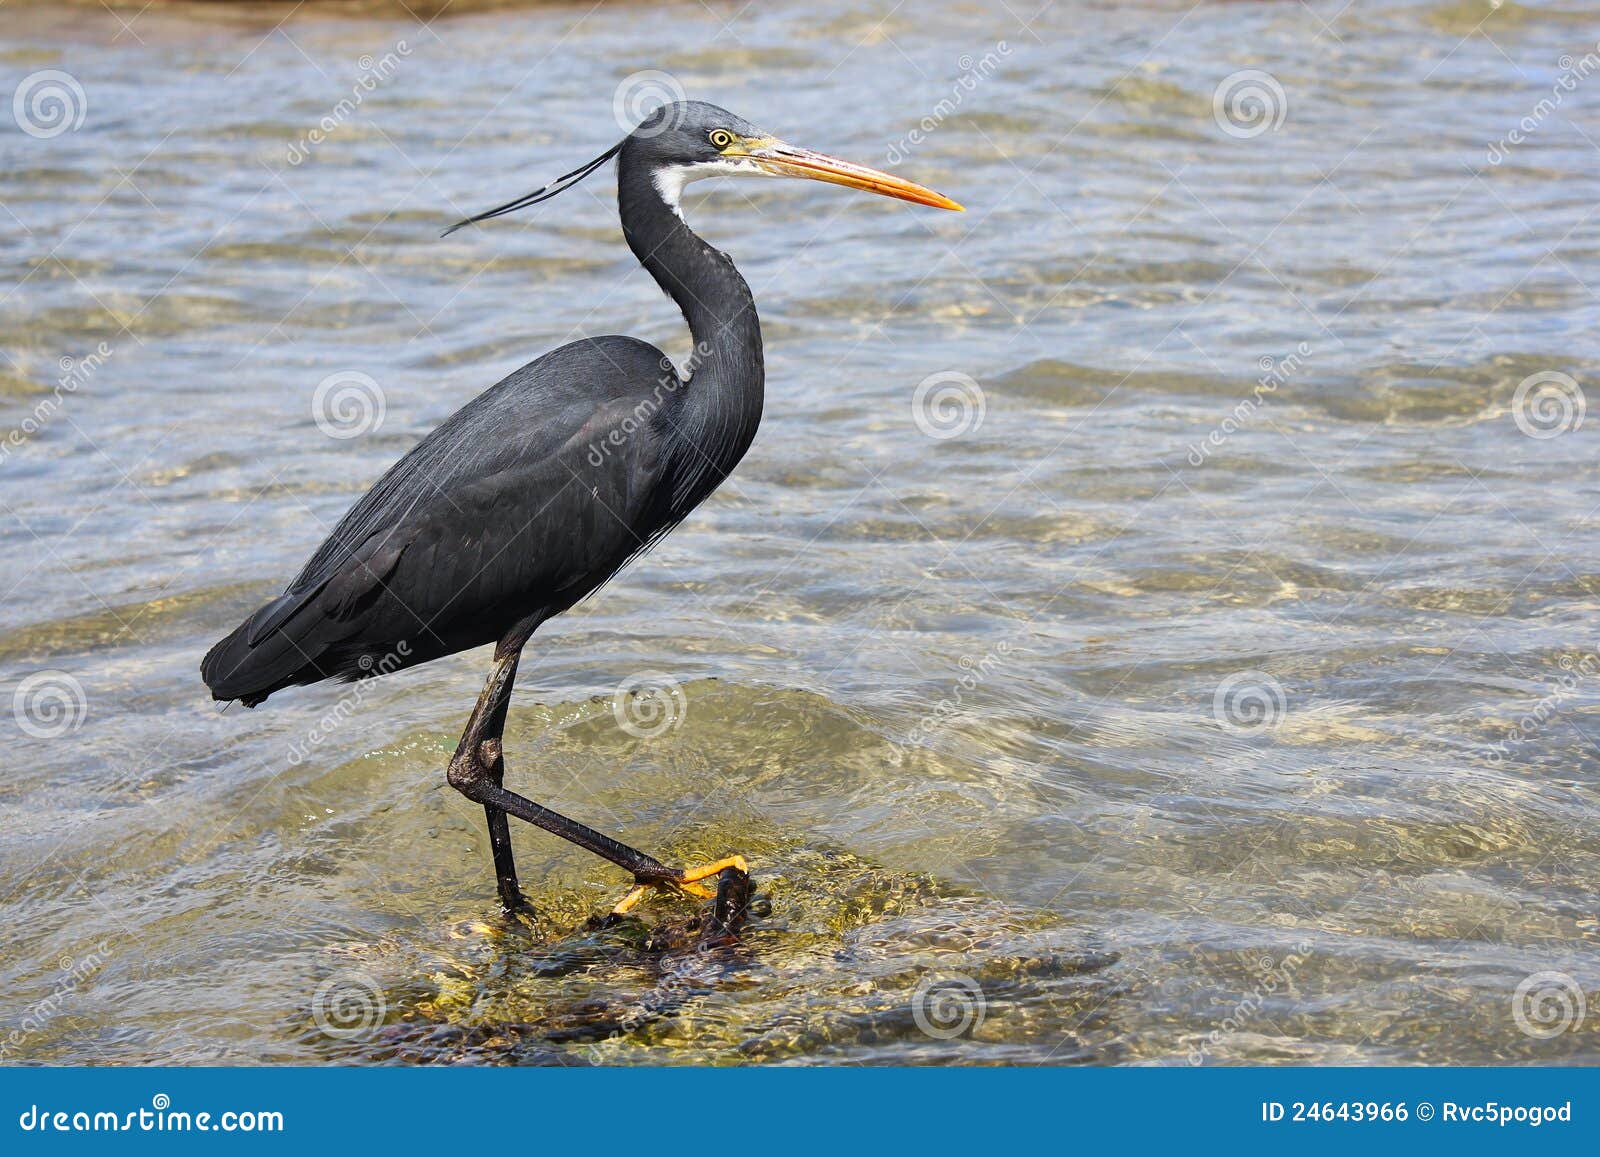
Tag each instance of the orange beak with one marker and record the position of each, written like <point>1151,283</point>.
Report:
<point>785,160</point>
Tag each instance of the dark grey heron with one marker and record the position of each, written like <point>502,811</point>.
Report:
<point>533,494</point>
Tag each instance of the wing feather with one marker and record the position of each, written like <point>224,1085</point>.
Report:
<point>527,498</point>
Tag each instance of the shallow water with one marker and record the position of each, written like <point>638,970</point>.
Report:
<point>1227,693</point>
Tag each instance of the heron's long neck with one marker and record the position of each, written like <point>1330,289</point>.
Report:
<point>720,406</point>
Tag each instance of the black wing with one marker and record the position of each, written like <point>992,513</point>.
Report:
<point>521,503</point>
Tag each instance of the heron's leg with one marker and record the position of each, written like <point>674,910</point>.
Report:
<point>481,749</point>
<point>492,750</point>
<point>470,774</point>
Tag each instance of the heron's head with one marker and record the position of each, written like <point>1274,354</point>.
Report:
<point>689,140</point>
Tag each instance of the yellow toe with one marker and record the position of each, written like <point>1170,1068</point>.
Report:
<point>688,883</point>
<point>691,875</point>
<point>627,903</point>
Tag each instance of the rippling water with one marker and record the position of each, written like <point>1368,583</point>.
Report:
<point>1208,675</point>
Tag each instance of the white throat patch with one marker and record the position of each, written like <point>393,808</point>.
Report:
<point>670,181</point>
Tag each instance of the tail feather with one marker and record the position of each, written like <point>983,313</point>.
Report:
<point>304,635</point>
<point>238,669</point>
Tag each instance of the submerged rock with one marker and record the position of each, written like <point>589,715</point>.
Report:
<point>838,954</point>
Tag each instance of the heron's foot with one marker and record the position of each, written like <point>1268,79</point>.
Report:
<point>733,905</point>
<point>516,906</point>
<point>689,880</point>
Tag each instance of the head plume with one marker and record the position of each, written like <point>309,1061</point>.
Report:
<point>544,193</point>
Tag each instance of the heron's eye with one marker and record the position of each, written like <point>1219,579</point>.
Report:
<point>721,138</point>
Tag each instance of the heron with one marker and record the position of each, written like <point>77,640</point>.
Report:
<point>535,493</point>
